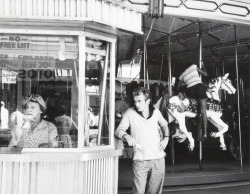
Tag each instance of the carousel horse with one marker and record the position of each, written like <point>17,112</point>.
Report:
<point>177,108</point>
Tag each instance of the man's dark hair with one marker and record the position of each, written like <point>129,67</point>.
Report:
<point>141,90</point>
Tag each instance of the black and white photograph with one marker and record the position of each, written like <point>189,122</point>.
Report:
<point>124,96</point>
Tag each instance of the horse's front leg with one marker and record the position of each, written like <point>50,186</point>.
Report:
<point>222,128</point>
<point>180,118</point>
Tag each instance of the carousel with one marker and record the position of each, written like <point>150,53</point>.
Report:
<point>80,61</point>
<point>57,70</point>
<point>214,33</point>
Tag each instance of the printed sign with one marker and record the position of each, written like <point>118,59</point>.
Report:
<point>9,77</point>
<point>14,42</point>
<point>26,62</point>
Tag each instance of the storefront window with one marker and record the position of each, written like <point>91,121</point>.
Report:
<point>41,70</point>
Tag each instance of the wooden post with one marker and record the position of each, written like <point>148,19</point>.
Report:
<point>104,83</point>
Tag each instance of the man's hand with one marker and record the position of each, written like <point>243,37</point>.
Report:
<point>163,144</point>
<point>130,140</point>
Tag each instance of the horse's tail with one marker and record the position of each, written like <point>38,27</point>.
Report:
<point>164,106</point>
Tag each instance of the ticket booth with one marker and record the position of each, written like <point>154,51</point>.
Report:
<point>64,51</point>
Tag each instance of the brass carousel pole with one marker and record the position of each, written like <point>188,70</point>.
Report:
<point>223,73</point>
<point>238,91</point>
<point>170,93</point>
<point>200,65</point>
<point>169,67</point>
<point>144,54</point>
<point>243,93</point>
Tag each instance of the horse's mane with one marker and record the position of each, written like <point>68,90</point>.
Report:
<point>208,79</point>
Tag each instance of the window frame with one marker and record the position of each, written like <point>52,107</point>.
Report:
<point>81,35</point>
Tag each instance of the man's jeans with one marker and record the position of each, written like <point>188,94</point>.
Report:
<point>148,176</point>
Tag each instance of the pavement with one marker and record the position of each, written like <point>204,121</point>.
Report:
<point>220,174</point>
<point>241,187</point>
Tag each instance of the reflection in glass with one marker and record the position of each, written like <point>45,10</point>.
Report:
<point>44,65</point>
<point>97,88</point>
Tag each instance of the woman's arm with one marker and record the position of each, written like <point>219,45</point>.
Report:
<point>178,86</point>
<point>203,70</point>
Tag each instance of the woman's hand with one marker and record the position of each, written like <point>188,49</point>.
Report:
<point>16,134</point>
<point>45,145</point>
<point>203,70</point>
<point>53,144</point>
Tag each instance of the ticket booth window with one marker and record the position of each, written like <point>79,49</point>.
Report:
<point>45,66</point>
<point>97,82</point>
<point>74,84</point>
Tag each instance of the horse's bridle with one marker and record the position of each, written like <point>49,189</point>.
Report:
<point>224,81</point>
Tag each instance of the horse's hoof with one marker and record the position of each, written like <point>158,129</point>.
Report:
<point>213,134</point>
<point>223,148</point>
<point>204,138</point>
<point>190,147</point>
<point>181,140</point>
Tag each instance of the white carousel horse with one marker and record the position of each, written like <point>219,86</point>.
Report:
<point>178,108</point>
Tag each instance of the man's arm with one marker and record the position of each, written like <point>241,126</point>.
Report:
<point>165,131</point>
<point>164,142</point>
<point>130,140</point>
<point>122,128</point>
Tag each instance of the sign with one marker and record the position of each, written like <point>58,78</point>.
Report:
<point>9,77</point>
<point>14,42</point>
<point>12,77</point>
<point>27,62</point>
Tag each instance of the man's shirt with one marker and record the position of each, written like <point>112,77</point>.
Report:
<point>145,131</point>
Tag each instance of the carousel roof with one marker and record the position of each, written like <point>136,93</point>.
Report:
<point>218,43</point>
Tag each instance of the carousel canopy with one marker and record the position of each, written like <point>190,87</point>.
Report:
<point>218,45</point>
<point>219,19</point>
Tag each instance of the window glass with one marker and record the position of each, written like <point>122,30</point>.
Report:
<point>39,91</point>
<point>97,80</point>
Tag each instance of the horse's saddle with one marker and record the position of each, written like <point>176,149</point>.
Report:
<point>214,105</point>
<point>193,105</point>
<point>180,102</point>
<point>186,104</point>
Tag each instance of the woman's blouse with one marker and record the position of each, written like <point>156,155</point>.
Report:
<point>45,132</point>
<point>190,76</point>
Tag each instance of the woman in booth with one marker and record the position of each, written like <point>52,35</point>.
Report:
<point>30,130</point>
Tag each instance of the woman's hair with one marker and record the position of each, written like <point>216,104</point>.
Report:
<point>180,68</point>
<point>35,98</point>
<point>41,108</point>
<point>141,90</point>
<point>208,79</point>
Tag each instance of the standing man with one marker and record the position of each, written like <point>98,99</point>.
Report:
<point>145,122</point>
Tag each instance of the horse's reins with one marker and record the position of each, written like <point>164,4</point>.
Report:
<point>223,81</point>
